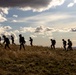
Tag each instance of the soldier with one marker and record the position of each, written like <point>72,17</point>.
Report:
<point>0,41</point>
<point>12,39</point>
<point>21,41</point>
<point>69,45</point>
<point>31,41</point>
<point>6,41</point>
<point>53,43</point>
<point>64,44</point>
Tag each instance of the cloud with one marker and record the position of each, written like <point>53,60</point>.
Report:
<point>16,31</point>
<point>35,5</point>
<point>2,19</point>
<point>14,21</point>
<point>40,29</point>
<point>6,30</point>
<point>34,36</point>
<point>40,6</point>
<point>74,1</point>
<point>45,30</point>
<point>70,5</point>
<point>15,16</point>
<point>26,29</point>
<point>7,27</point>
<point>3,11</point>
<point>45,18</point>
<point>64,30</point>
<point>49,29</point>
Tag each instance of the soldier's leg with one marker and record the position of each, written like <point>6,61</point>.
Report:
<point>64,47</point>
<point>68,48</point>
<point>5,46</point>
<point>20,46</point>
<point>31,43</point>
<point>8,46</point>
<point>23,46</point>
<point>13,42</point>
<point>51,46</point>
<point>71,48</point>
<point>54,46</point>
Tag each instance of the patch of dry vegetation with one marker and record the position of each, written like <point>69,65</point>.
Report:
<point>37,61</point>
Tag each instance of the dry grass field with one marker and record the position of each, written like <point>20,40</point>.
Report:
<point>37,60</point>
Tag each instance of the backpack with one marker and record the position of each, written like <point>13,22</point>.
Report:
<point>7,41</point>
<point>70,43</point>
<point>54,42</point>
<point>23,40</point>
<point>64,42</point>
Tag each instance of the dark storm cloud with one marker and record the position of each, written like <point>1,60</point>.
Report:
<point>24,3</point>
<point>35,5</point>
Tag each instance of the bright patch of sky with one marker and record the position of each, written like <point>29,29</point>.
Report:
<point>40,19</point>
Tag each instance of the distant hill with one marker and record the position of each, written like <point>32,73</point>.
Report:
<point>37,60</point>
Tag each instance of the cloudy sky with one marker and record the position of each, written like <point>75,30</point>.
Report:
<point>40,19</point>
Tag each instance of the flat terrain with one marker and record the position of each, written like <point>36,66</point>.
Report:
<point>37,61</point>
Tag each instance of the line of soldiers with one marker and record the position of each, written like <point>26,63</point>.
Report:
<point>53,43</point>
<point>21,41</point>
